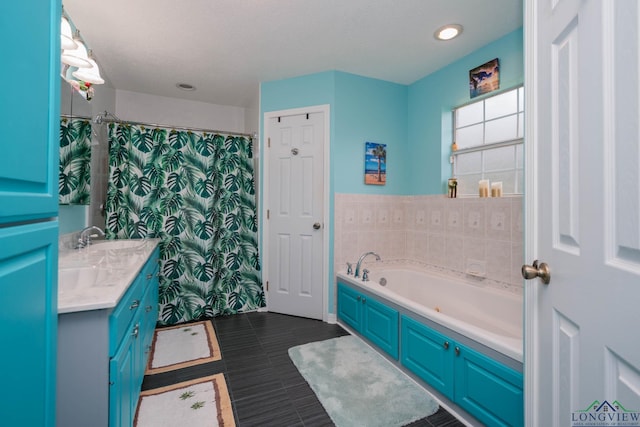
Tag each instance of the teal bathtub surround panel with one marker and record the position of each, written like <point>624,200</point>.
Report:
<point>195,191</point>
<point>358,387</point>
<point>75,162</point>
<point>431,99</point>
<point>488,390</point>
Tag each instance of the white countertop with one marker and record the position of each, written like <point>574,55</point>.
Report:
<point>96,277</point>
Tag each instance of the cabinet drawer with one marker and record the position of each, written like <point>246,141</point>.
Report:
<point>150,269</point>
<point>124,312</point>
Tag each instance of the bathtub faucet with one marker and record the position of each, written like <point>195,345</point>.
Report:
<point>362,257</point>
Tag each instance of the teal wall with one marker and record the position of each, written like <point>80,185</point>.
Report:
<point>414,121</point>
<point>362,110</point>
<point>368,110</point>
<point>72,218</point>
<point>431,99</point>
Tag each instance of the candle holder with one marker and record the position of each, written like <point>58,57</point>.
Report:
<point>453,188</point>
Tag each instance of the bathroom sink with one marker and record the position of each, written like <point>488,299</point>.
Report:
<point>117,244</point>
<point>72,279</point>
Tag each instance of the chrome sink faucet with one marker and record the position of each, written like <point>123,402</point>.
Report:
<point>362,257</point>
<point>87,234</point>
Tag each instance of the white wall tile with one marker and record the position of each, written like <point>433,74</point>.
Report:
<point>431,229</point>
<point>474,218</point>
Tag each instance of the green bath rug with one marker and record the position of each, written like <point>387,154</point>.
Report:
<point>359,387</point>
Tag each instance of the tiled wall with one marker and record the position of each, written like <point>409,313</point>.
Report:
<point>458,235</point>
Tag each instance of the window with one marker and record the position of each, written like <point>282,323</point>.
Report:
<point>490,134</point>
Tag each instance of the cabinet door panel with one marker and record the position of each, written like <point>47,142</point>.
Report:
<point>28,323</point>
<point>489,390</point>
<point>349,306</point>
<point>121,392</point>
<point>380,325</point>
<point>29,107</point>
<point>428,354</point>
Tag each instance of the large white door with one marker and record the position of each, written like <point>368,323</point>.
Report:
<point>295,220</point>
<point>582,356</point>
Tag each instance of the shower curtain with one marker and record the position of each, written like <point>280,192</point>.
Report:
<point>74,176</point>
<point>194,191</point>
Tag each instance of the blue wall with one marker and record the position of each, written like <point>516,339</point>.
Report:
<point>414,121</point>
<point>368,110</point>
<point>431,100</point>
<point>362,109</point>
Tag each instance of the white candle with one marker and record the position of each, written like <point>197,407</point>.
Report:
<point>483,188</point>
<point>496,189</point>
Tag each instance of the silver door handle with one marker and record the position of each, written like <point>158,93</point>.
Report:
<point>316,226</point>
<point>537,270</point>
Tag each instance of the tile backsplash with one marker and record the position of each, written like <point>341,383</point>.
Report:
<point>463,236</point>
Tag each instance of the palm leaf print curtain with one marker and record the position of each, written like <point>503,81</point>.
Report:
<point>75,162</point>
<point>194,191</point>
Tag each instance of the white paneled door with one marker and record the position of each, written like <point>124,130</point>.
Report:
<point>582,356</point>
<point>295,214</point>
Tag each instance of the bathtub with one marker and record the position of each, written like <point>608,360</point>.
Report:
<point>486,315</point>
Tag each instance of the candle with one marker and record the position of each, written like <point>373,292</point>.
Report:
<point>496,189</point>
<point>483,188</point>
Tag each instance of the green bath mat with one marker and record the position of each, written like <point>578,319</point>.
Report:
<point>359,387</point>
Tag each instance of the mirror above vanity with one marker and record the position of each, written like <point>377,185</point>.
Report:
<point>83,144</point>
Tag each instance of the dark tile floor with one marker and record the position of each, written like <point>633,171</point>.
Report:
<point>266,388</point>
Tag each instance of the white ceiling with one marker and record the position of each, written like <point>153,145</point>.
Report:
<point>227,47</point>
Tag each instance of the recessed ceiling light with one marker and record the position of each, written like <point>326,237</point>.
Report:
<point>185,86</point>
<point>448,32</point>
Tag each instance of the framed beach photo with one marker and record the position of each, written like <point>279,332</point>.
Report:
<point>375,163</point>
<point>485,78</point>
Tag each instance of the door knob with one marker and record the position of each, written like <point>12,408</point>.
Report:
<point>537,270</point>
<point>316,226</point>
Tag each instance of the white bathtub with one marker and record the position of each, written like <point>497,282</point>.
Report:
<point>489,316</point>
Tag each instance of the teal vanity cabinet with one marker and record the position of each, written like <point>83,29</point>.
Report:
<point>131,331</point>
<point>488,390</point>
<point>369,317</point>
<point>104,353</point>
<point>29,137</point>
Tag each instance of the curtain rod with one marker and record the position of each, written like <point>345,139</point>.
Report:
<point>128,122</point>
<point>73,116</point>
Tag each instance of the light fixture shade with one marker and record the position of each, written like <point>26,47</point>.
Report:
<point>90,75</point>
<point>76,57</point>
<point>448,32</point>
<point>66,36</point>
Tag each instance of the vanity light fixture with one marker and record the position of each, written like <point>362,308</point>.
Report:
<point>448,32</point>
<point>76,57</point>
<point>185,86</point>
<point>66,36</point>
<point>90,75</point>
